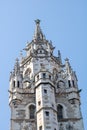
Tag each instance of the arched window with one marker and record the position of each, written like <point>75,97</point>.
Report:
<point>60,84</point>
<point>59,112</point>
<point>32,111</point>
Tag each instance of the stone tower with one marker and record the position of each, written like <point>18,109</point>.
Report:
<point>43,93</point>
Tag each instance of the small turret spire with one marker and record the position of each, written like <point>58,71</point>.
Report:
<point>59,56</point>
<point>68,67</point>
<point>16,67</point>
<point>21,55</point>
<point>38,35</point>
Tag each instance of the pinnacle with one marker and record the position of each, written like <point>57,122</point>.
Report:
<point>37,21</point>
<point>38,35</point>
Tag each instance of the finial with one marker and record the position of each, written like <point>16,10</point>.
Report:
<point>17,60</point>
<point>59,56</point>
<point>38,35</point>
<point>59,53</point>
<point>67,60</point>
<point>21,55</point>
<point>16,63</point>
<point>37,21</point>
<point>68,67</point>
<point>16,67</point>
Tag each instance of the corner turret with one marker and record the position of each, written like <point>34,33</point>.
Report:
<point>15,84</point>
<point>72,79</point>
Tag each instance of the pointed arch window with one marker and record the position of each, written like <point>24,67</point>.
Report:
<point>32,111</point>
<point>60,112</point>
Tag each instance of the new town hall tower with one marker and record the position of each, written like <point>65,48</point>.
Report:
<point>43,93</point>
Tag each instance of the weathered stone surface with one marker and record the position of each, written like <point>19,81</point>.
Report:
<point>43,91</point>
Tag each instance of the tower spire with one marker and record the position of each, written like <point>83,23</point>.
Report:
<point>38,35</point>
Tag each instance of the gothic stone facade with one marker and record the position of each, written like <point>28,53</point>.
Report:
<point>43,93</point>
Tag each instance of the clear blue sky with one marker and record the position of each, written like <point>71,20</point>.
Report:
<point>62,21</point>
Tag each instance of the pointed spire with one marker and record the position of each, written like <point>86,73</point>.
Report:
<point>21,55</point>
<point>38,35</point>
<point>59,56</point>
<point>16,67</point>
<point>67,65</point>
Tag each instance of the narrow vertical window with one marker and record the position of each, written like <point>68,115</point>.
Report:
<point>18,84</point>
<point>49,76</point>
<point>44,75</point>
<point>14,84</point>
<point>59,112</point>
<point>47,113</point>
<point>32,111</point>
<point>69,83</point>
<point>73,83</point>
<point>45,91</point>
